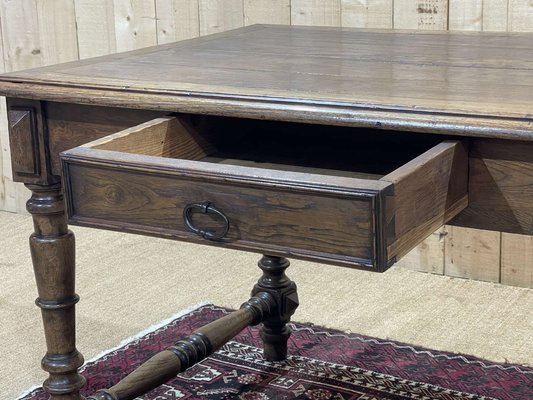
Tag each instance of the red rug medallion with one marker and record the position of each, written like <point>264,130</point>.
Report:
<point>324,365</point>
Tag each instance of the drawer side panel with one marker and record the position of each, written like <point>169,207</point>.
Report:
<point>428,192</point>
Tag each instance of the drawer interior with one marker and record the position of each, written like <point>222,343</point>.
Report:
<point>324,150</point>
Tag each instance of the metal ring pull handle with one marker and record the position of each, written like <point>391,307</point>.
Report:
<point>205,208</point>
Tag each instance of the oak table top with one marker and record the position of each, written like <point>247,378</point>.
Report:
<point>467,84</point>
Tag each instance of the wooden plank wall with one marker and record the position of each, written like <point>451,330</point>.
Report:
<point>41,32</point>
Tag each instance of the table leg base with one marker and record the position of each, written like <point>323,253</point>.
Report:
<point>275,333</point>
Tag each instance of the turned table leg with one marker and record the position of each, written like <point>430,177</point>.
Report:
<point>52,252</point>
<point>275,332</point>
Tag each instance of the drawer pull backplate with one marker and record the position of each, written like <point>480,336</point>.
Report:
<point>205,208</point>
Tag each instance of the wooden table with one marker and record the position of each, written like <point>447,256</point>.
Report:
<point>346,147</point>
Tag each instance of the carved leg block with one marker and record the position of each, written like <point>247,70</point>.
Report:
<point>275,332</point>
<point>53,255</point>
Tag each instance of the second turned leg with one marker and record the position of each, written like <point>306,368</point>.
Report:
<point>275,332</point>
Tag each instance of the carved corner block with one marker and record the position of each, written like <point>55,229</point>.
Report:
<point>29,152</point>
<point>24,142</point>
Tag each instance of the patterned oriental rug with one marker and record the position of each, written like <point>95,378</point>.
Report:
<point>324,364</point>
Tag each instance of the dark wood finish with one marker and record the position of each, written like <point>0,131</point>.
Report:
<point>52,252</point>
<point>30,154</point>
<point>350,221</point>
<point>500,187</point>
<point>319,222</point>
<point>451,83</point>
<point>24,142</point>
<point>275,332</point>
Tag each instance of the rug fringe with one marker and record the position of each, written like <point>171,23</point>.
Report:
<point>130,339</point>
<point>28,391</point>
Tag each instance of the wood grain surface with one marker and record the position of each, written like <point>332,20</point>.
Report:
<point>517,260</point>
<point>473,253</point>
<point>23,138</point>
<point>428,192</point>
<point>374,14</point>
<point>71,125</point>
<point>267,12</point>
<point>52,248</point>
<point>277,221</point>
<point>379,78</point>
<point>30,155</point>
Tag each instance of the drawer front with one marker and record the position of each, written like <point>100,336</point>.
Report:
<point>339,228</point>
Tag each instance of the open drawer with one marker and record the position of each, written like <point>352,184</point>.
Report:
<point>337,195</point>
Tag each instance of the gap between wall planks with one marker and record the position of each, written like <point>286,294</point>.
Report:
<point>41,32</point>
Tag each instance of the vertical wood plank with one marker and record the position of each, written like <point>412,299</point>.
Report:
<point>517,260</point>
<point>91,13</point>
<point>465,15</point>
<point>495,15</point>
<point>428,256</point>
<point>316,12</point>
<point>19,33</point>
<point>472,253</point>
<point>4,137</point>
<point>177,20</point>
<point>421,14</point>
<point>367,13</point>
<point>2,63</point>
<point>135,24</point>
<point>220,15</point>
<point>38,32</point>
<point>57,31</point>
<point>267,12</point>
<point>520,17</point>
<point>4,150</point>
